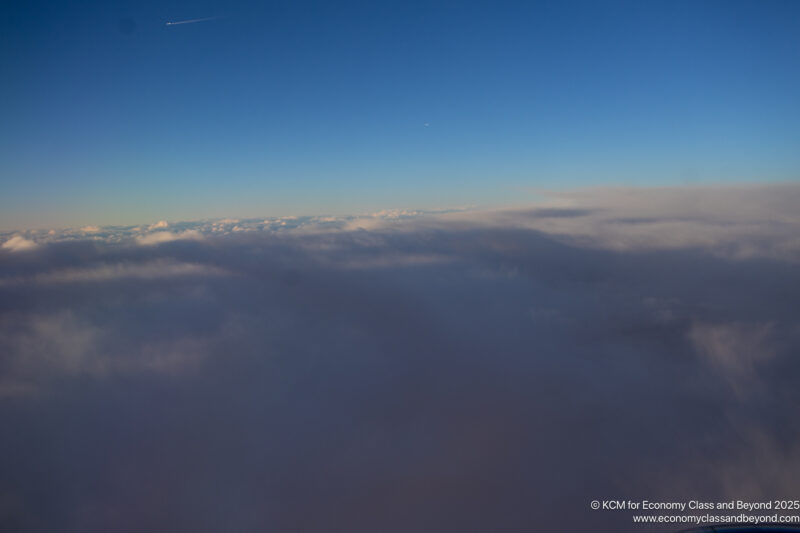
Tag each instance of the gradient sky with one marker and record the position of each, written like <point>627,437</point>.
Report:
<point>109,116</point>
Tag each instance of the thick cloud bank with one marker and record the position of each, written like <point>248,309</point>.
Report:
<point>406,371</point>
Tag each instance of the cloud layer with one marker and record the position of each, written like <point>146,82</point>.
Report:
<point>404,371</point>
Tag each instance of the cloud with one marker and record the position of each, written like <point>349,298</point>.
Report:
<point>470,371</point>
<point>167,236</point>
<point>158,225</point>
<point>736,221</point>
<point>151,270</point>
<point>735,350</point>
<point>43,349</point>
<point>39,346</point>
<point>18,243</point>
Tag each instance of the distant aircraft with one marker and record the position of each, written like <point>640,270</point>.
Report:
<point>190,21</point>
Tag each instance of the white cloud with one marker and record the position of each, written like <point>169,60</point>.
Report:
<point>90,229</point>
<point>167,236</point>
<point>159,225</point>
<point>396,213</point>
<point>365,223</point>
<point>18,243</point>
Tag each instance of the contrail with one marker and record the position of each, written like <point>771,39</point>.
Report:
<point>190,21</point>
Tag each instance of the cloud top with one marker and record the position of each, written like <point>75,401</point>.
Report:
<point>158,237</point>
<point>18,243</point>
<point>161,224</point>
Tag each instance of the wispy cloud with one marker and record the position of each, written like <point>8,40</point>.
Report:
<point>150,270</point>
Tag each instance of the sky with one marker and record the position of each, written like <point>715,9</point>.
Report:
<point>112,117</point>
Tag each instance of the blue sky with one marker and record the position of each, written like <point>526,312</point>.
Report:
<point>109,116</point>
